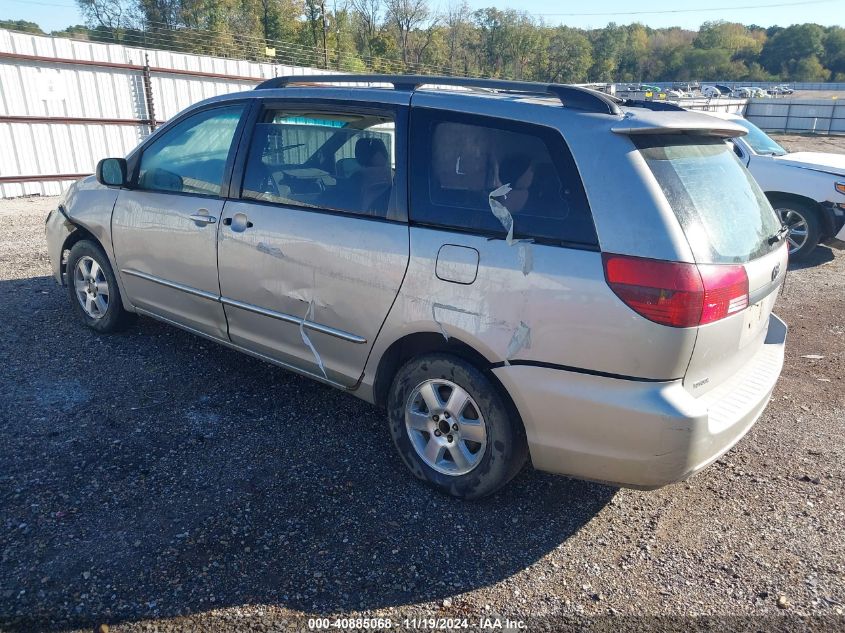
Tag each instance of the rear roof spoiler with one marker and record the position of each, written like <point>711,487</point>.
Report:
<point>643,121</point>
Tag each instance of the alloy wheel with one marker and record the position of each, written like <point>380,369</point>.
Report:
<point>445,426</point>
<point>799,230</point>
<point>91,287</point>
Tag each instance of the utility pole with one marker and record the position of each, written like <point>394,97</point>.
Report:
<point>265,3</point>
<point>325,34</point>
<point>336,33</point>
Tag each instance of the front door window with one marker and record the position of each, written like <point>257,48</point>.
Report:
<point>191,156</point>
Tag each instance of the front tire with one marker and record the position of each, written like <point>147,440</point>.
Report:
<point>452,428</point>
<point>92,288</point>
<point>804,229</point>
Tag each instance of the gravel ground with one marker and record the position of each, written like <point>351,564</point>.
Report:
<point>155,481</point>
<point>814,94</point>
<point>811,143</point>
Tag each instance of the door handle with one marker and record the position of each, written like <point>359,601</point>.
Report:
<point>238,222</point>
<point>202,217</point>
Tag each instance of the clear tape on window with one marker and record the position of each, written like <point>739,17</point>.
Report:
<point>500,211</point>
<point>526,251</point>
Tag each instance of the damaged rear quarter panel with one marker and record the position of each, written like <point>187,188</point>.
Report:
<point>544,303</point>
<point>562,312</point>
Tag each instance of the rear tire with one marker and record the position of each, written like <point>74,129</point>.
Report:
<point>804,227</point>
<point>452,428</point>
<point>93,291</point>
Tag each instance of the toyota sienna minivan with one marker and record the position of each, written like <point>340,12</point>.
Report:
<point>513,271</point>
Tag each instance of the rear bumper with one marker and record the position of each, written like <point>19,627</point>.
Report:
<point>835,231</point>
<point>639,434</point>
<point>838,240</point>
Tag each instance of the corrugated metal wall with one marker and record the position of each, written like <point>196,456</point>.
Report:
<point>97,108</point>
<point>820,116</point>
<point>65,104</point>
<point>831,86</point>
<point>801,85</point>
<point>735,106</point>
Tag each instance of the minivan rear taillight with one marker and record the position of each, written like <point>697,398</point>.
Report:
<point>676,293</point>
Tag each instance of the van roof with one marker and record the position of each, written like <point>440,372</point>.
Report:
<point>628,116</point>
<point>577,97</point>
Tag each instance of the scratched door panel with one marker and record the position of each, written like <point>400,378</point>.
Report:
<point>341,272</point>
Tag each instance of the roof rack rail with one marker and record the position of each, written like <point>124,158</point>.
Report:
<point>570,96</point>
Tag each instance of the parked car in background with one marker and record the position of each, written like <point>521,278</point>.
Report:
<point>780,90</point>
<point>459,258</point>
<point>806,189</point>
<point>688,87</point>
<point>748,92</point>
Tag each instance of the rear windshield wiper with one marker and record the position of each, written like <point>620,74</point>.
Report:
<point>777,237</point>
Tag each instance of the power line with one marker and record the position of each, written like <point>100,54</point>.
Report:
<point>160,36</point>
<point>697,10</point>
<point>257,43</point>
<point>574,14</point>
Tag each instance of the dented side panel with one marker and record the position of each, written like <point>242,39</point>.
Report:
<point>88,205</point>
<point>560,312</point>
<point>337,273</point>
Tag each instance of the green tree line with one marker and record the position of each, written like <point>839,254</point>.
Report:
<point>410,36</point>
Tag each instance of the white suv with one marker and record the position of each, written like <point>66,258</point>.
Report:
<point>806,189</point>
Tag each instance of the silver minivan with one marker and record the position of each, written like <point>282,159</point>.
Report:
<point>514,271</point>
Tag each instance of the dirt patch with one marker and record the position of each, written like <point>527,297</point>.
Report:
<point>811,143</point>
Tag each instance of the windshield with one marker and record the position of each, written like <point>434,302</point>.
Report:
<point>759,141</point>
<point>724,214</point>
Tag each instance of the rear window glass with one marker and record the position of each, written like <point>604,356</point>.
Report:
<point>724,214</point>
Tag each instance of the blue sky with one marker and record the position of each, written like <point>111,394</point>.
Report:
<point>57,14</point>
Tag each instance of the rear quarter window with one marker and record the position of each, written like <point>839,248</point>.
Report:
<point>724,214</point>
<point>463,165</point>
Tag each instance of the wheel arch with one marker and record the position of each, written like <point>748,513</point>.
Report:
<point>416,344</point>
<point>825,222</point>
<point>79,234</point>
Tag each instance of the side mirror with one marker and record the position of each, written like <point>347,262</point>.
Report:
<point>111,172</point>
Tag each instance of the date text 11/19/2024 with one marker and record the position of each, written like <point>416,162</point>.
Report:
<point>490,623</point>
